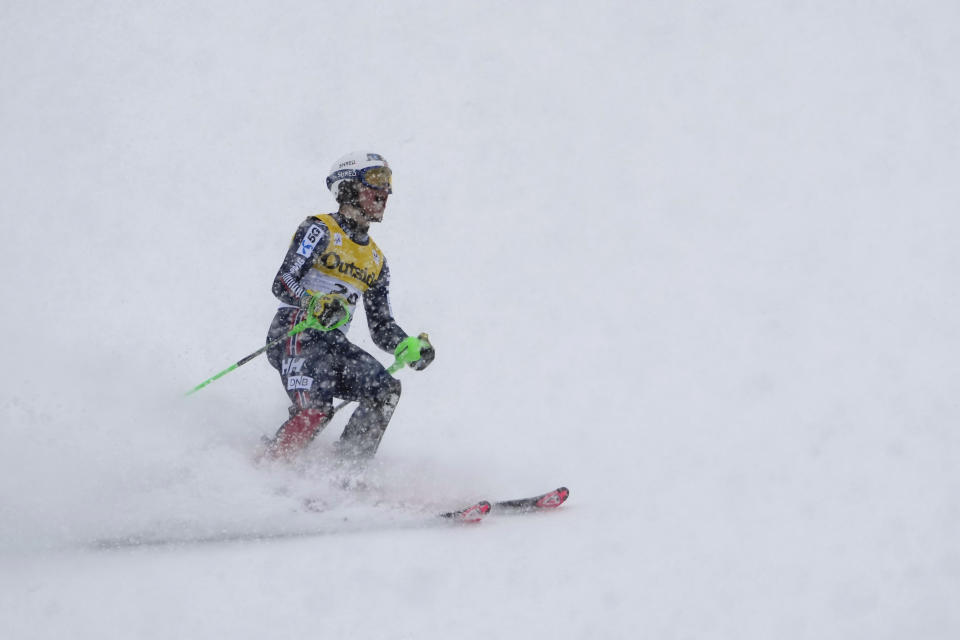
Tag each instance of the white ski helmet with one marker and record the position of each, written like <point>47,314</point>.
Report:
<point>362,167</point>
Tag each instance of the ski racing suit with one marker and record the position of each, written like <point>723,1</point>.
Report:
<point>330,254</point>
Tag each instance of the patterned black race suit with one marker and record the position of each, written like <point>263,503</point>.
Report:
<point>329,254</point>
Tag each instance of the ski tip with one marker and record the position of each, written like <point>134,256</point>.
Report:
<point>553,499</point>
<point>473,513</point>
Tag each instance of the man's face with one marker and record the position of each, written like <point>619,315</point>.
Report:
<point>372,202</point>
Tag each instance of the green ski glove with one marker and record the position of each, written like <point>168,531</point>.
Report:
<point>415,351</point>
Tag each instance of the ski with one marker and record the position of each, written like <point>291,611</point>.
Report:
<point>549,500</point>
<point>473,513</point>
<point>476,512</point>
<point>345,525</point>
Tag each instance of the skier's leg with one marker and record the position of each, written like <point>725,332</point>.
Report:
<point>305,363</point>
<point>364,379</point>
<point>363,433</point>
<point>296,433</point>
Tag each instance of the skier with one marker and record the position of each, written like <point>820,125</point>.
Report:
<point>330,265</point>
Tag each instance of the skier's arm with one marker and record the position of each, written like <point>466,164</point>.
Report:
<point>384,330</point>
<point>310,239</point>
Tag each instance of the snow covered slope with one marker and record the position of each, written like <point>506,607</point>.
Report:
<point>696,262</point>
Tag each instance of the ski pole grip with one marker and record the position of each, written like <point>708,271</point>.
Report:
<point>408,350</point>
<point>314,315</point>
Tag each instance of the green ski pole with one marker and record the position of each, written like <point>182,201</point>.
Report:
<point>311,322</point>
<point>239,363</point>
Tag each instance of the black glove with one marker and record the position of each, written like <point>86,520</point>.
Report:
<point>330,309</point>
<point>427,354</point>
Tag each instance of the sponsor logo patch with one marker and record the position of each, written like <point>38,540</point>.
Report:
<point>291,365</point>
<point>299,382</point>
<point>334,262</point>
<point>309,241</point>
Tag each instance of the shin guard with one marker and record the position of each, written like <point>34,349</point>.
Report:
<point>297,432</point>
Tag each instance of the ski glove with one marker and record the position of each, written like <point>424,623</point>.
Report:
<point>417,352</point>
<point>426,352</point>
<point>331,310</point>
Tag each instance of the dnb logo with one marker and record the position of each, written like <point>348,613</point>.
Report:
<point>309,241</point>
<point>299,382</point>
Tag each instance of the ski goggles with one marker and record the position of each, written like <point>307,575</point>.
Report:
<point>377,178</point>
